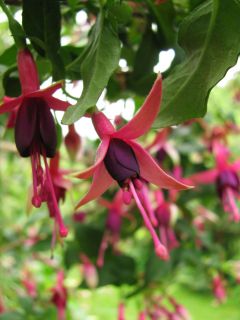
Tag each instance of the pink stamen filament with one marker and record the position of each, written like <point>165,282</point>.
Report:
<point>63,231</point>
<point>160,249</point>
<point>144,195</point>
<point>229,197</point>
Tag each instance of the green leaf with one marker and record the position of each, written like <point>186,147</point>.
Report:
<point>100,60</point>
<point>42,24</point>
<point>15,27</point>
<point>210,38</point>
<point>117,270</point>
<point>52,28</point>
<point>33,23</point>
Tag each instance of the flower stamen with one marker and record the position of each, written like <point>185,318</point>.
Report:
<point>160,249</point>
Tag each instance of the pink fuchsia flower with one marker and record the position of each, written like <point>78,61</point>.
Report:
<point>180,310</point>
<point>142,315</point>
<point>89,272</point>
<point>30,284</point>
<point>162,147</point>
<point>225,176</point>
<point>35,131</point>
<point>163,213</point>
<point>59,296</point>
<point>72,142</point>
<point>219,289</point>
<point>121,159</point>
<point>113,224</point>
<point>121,312</point>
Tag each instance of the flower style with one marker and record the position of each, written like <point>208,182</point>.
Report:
<point>121,159</point>
<point>35,132</point>
<point>59,296</point>
<point>225,176</point>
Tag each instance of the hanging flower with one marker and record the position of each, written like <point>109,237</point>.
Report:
<point>59,296</point>
<point>121,311</point>
<point>219,289</point>
<point>35,131</point>
<point>29,283</point>
<point>225,176</point>
<point>164,213</point>
<point>121,159</point>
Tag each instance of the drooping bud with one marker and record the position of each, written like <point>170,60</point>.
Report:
<point>72,142</point>
<point>121,162</point>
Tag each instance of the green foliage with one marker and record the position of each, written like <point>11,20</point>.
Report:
<point>99,59</point>
<point>208,37</point>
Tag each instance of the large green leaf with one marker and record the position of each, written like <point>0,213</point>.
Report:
<point>33,23</point>
<point>42,24</point>
<point>100,60</point>
<point>210,38</point>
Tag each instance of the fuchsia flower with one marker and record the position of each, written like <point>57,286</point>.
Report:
<point>72,142</point>
<point>180,310</point>
<point>163,213</point>
<point>225,176</point>
<point>121,311</point>
<point>59,296</point>
<point>89,272</point>
<point>121,159</point>
<point>218,288</point>
<point>29,284</point>
<point>35,132</point>
<point>113,226</point>
<point>142,315</point>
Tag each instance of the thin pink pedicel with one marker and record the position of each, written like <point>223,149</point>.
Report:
<point>144,196</point>
<point>161,251</point>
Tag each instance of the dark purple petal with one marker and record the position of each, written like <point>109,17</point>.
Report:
<point>227,179</point>
<point>25,127</point>
<point>47,129</point>
<point>120,161</point>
